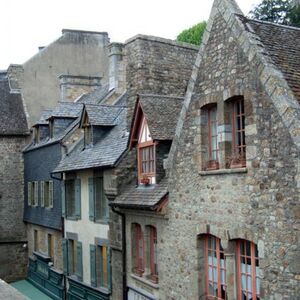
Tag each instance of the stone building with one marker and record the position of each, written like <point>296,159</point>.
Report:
<point>13,134</point>
<point>233,212</point>
<point>76,52</point>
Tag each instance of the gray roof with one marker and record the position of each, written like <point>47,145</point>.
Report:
<point>103,115</point>
<point>282,44</point>
<point>12,115</point>
<point>142,197</point>
<point>95,96</point>
<point>104,153</point>
<point>46,114</point>
<point>161,113</point>
<point>67,110</point>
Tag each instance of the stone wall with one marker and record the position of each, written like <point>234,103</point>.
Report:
<point>42,243</point>
<point>259,203</point>
<point>157,66</point>
<point>13,256</point>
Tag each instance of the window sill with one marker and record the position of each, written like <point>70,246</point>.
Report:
<point>72,218</point>
<point>144,280</point>
<point>223,171</point>
<point>103,222</point>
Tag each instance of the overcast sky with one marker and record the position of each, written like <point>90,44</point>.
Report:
<point>27,24</point>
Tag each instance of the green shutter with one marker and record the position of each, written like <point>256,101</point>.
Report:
<point>93,265</point>
<point>42,193</point>
<point>63,199</point>
<point>65,256</point>
<point>51,193</point>
<point>109,268</point>
<point>36,193</point>
<point>78,198</point>
<point>91,200</point>
<point>29,193</point>
<point>79,264</point>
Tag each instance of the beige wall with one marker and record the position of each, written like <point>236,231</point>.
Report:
<point>74,53</point>
<point>87,230</point>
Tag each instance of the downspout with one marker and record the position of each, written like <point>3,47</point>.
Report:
<point>124,272</point>
<point>62,233</point>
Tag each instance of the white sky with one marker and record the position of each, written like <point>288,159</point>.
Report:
<point>27,24</point>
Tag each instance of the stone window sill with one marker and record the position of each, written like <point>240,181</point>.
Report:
<point>223,171</point>
<point>145,281</point>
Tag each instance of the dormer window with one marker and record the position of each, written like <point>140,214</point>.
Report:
<point>146,156</point>
<point>51,128</point>
<point>36,135</point>
<point>87,135</point>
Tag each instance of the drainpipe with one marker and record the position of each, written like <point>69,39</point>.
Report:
<point>122,215</point>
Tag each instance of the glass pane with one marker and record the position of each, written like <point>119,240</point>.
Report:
<point>104,266</point>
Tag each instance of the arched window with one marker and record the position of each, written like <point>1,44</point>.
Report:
<point>215,268</point>
<point>248,281</point>
<point>138,253</point>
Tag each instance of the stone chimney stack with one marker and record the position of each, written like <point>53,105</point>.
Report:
<point>117,78</point>
<point>71,87</point>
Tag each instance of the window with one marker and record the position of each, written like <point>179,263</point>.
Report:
<point>152,250</point>
<point>36,134</point>
<point>50,245</point>
<point>87,135</point>
<point>238,133</point>
<point>72,257</point>
<point>215,269</point>
<point>248,281</point>
<point>137,250</point>
<point>212,138</point>
<point>51,128</point>
<point>71,197</point>
<point>98,204</point>
<point>102,266</point>
<point>35,240</point>
<point>47,194</point>
<point>32,193</point>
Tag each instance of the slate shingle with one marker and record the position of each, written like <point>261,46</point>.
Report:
<point>67,110</point>
<point>12,115</point>
<point>162,114</point>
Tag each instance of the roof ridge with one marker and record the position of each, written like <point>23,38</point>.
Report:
<point>271,23</point>
<point>162,96</point>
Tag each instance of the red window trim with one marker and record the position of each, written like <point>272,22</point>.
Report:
<point>253,274</point>
<point>218,252</point>
<point>238,150</point>
<point>213,164</point>
<point>141,146</point>
<point>153,245</point>
<point>139,267</point>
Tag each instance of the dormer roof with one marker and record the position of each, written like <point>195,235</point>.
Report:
<point>66,110</point>
<point>161,113</point>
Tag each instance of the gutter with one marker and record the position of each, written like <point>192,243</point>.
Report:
<point>124,266</point>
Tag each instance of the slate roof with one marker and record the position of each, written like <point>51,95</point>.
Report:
<point>46,114</point>
<point>142,197</point>
<point>282,44</point>
<point>12,115</point>
<point>103,115</point>
<point>95,96</point>
<point>104,153</point>
<point>67,110</point>
<point>162,114</point>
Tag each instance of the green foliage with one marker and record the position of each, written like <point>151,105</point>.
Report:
<point>277,11</point>
<point>193,35</point>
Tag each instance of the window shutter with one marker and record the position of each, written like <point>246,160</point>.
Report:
<point>79,265</point>
<point>51,193</point>
<point>93,265</point>
<point>42,193</point>
<point>29,193</point>
<point>78,198</point>
<point>63,199</point>
<point>65,256</point>
<point>36,193</point>
<point>91,200</point>
<point>109,283</point>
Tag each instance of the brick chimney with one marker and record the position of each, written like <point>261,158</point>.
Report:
<point>116,67</point>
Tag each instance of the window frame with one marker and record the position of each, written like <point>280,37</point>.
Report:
<point>150,161</point>
<point>99,267</point>
<point>212,163</point>
<point>138,250</point>
<point>238,134</point>
<point>253,259</point>
<point>68,198</point>
<point>153,254</point>
<point>218,253</point>
<point>103,202</point>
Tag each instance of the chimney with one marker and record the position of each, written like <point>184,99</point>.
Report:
<point>72,87</point>
<point>116,67</point>
<point>15,75</point>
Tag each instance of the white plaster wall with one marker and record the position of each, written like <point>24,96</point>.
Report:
<point>86,229</point>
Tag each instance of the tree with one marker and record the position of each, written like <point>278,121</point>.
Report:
<point>193,35</point>
<point>277,11</point>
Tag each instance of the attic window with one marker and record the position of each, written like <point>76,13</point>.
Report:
<point>51,128</point>
<point>36,135</point>
<point>87,135</point>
